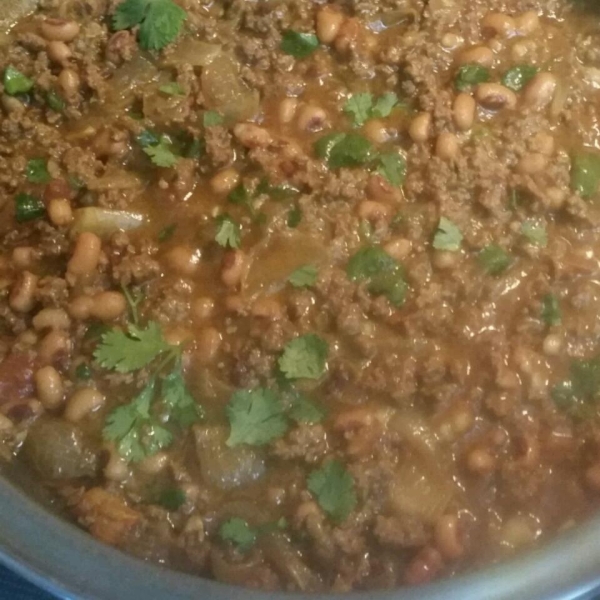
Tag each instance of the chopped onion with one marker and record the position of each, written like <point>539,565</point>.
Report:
<point>104,222</point>
<point>225,91</point>
<point>193,52</point>
<point>128,80</point>
<point>115,180</point>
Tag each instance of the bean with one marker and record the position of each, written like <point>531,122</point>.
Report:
<point>175,336</point>
<point>447,537</point>
<point>80,308</point>
<point>480,461</point>
<point>51,318</point>
<point>494,96</point>
<point>86,254</point>
<point>376,131</point>
<point>252,136</point>
<point>23,257</point>
<point>424,566</point>
<point>49,387</point>
<point>527,23</point>
<point>287,110</point>
<point>52,345</point>
<point>498,24</point>
<point>349,32</point>
<point>5,423</point>
<point>519,51</point>
<point>60,212</point>
<point>22,294</point>
<point>380,189</point>
<point>11,104</point>
<point>224,181</point>
<point>372,211</point>
<point>184,260</point>
<point>479,55</point>
<point>443,259</point>
<point>267,307</point>
<point>328,24</point>
<point>552,344</point>
<point>202,308</point>
<point>208,344</point>
<point>398,248</point>
<point>532,163</point>
<point>153,465</point>
<point>235,304</point>
<point>58,52</point>
<point>116,468</point>
<point>69,81</point>
<point>420,127</point>
<point>232,267</point>
<point>540,91</point>
<point>446,146</point>
<point>463,111</point>
<point>108,306</point>
<point>59,30</point>
<point>312,118</point>
<point>543,143</point>
<point>82,403</point>
<point>451,41</point>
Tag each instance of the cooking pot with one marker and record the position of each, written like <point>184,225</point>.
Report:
<point>56,555</point>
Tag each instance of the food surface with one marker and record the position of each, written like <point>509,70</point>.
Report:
<point>303,295</point>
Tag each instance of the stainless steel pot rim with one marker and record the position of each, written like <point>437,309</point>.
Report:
<point>63,560</point>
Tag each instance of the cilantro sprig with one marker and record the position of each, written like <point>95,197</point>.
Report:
<point>362,107</point>
<point>228,232</point>
<point>333,488</point>
<point>159,21</point>
<point>305,357</point>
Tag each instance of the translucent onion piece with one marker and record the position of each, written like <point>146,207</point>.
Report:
<point>104,222</point>
<point>225,91</point>
<point>115,180</point>
<point>128,80</point>
<point>193,52</point>
<point>13,10</point>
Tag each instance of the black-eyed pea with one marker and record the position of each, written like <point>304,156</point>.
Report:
<point>59,30</point>
<point>60,212</point>
<point>370,210</point>
<point>49,387</point>
<point>116,468</point>
<point>328,24</point>
<point>312,118</point>
<point>58,52</point>
<point>80,308</point>
<point>203,308</point>
<point>54,344</point>
<point>287,110</point>
<point>463,111</point>
<point>107,306</point>
<point>381,190</point>
<point>234,304</point>
<point>479,55</point>
<point>519,50</point>
<point>494,96</point>
<point>184,260</point>
<point>447,537</point>
<point>233,267</point>
<point>51,318</point>
<point>267,307</point>
<point>24,257</point>
<point>552,344</point>
<point>419,129</point>
<point>86,254</point>
<point>10,104</point>
<point>446,146</point>
<point>83,403</point>
<point>208,343</point>
<point>252,136</point>
<point>224,181</point>
<point>480,461</point>
<point>498,24</point>
<point>376,131</point>
<point>451,41</point>
<point>155,464</point>
<point>540,91</point>
<point>527,22</point>
<point>69,82</point>
<point>22,293</point>
<point>398,248</point>
<point>445,259</point>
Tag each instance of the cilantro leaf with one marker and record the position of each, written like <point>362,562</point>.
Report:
<point>551,313</point>
<point>359,107</point>
<point>344,149</point>
<point>36,171</point>
<point>160,21</point>
<point>212,118</point>
<point>239,533</point>
<point>177,399</point>
<point>304,276</point>
<point>172,498</point>
<point>241,196</point>
<point>256,417</point>
<point>304,410</point>
<point>148,138</point>
<point>228,232</point>
<point>162,154</point>
<point>384,105</point>
<point>518,77</point>
<point>15,82</point>
<point>126,352</point>
<point>585,173</point>
<point>581,391</point>
<point>494,259</point>
<point>294,217</point>
<point>392,167</point>
<point>447,236</point>
<point>383,273</point>
<point>167,232</point>
<point>535,232</point>
<point>298,45</point>
<point>55,101</point>
<point>172,89</point>
<point>333,488</point>
<point>305,357</point>
<point>469,75</point>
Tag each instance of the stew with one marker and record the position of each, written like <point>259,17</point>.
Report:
<point>304,295</point>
